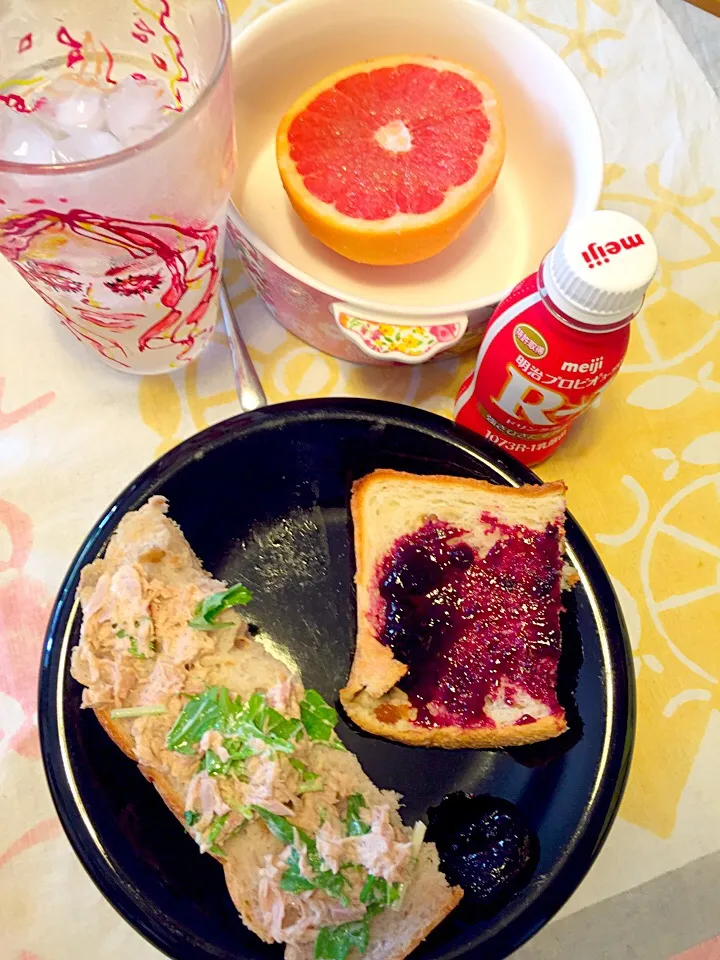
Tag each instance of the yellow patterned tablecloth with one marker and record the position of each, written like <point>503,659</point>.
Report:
<point>643,471</point>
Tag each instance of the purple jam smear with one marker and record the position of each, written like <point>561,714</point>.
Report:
<point>466,625</point>
<point>486,846</point>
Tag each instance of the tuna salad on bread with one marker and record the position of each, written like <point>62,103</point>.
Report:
<point>315,856</point>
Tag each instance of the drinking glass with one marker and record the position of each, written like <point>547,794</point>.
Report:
<point>126,248</point>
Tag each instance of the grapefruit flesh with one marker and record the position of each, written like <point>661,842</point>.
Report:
<point>387,161</point>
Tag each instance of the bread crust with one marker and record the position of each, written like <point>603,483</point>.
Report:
<point>176,803</point>
<point>361,710</point>
<point>525,491</point>
<point>162,784</point>
<point>454,898</point>
<point>375,671</point>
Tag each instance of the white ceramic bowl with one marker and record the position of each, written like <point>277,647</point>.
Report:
<point>552,174</point>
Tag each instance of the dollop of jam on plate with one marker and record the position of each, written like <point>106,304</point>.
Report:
<point>486,847</point>
<point>474,628</point>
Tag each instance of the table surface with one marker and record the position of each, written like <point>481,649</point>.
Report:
<point>642,469</point>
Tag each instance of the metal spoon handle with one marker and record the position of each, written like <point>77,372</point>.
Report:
<point>249,389</point>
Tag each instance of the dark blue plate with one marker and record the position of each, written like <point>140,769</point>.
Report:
<point>264,498</point>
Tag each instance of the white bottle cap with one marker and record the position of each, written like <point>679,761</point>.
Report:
<point>600,268</point>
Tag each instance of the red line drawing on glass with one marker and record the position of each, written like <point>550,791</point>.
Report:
<point>146,263</point>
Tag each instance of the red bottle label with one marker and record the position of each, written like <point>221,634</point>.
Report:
<point>535,375</point>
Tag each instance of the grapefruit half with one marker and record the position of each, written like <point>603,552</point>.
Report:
<point>387,161</point>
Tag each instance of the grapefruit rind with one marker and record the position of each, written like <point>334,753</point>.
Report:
<point>404,237</point>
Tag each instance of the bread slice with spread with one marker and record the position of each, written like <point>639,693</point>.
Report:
<point>315,856</point>
<point>458,610</point>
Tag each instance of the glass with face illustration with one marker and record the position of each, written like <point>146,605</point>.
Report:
<point>116,159</point>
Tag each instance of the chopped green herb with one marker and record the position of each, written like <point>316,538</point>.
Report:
<point>255,707</point>
<point>258,721</point>
<point>279,827</point>
<point>122,634</point>
<point>217,824</point>
<point>251,742</point>
<point>335,943</point>
<point>134,649</point>
<point>418,835</point>
<point>213,765</point>
<point>313,785</point>
<point>292,880</point>
<point>286,832</point>
<point>191,817</point>
<point>214,832</point>
<point>378,894</point>
<point>355,825</point>
<point>286,728</point>
<point>200,713</point>
<point>234,832</point>
<point>225,701</point>
<point>247,729</point>
<point>318,717</point>
<point>211,607</point>
<point>334,884</point>
<point>311,782</point>
<point>127,712</point>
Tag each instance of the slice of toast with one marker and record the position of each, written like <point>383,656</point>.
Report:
<point>149,549</point>
<point>425,670</point>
